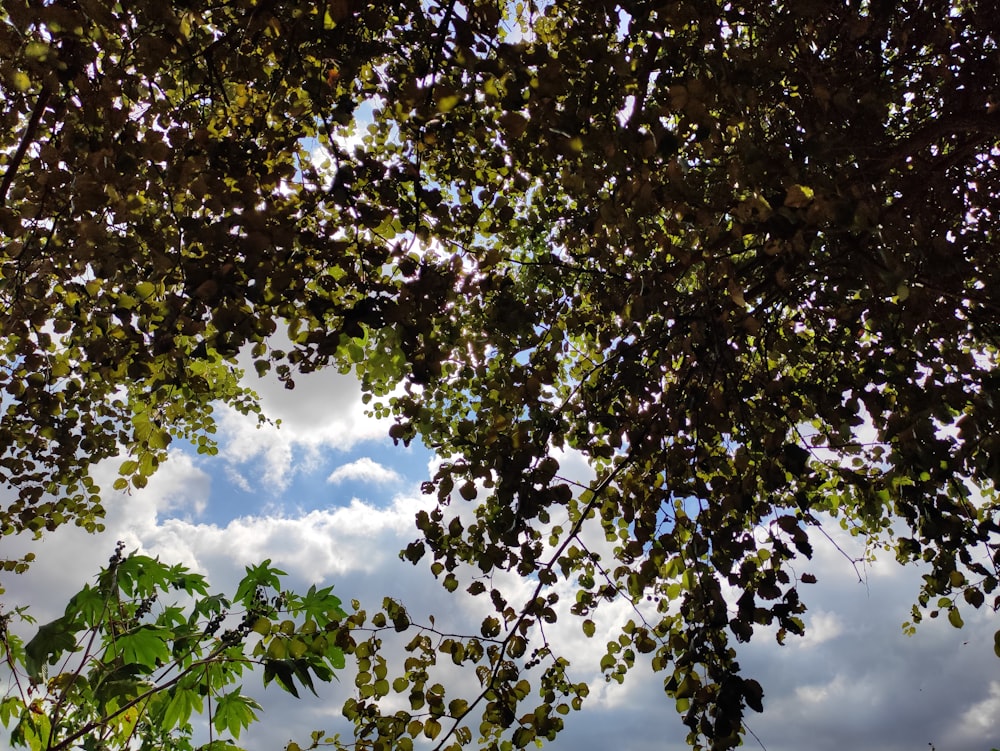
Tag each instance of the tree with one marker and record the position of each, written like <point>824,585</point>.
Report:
<point>739,256</point>
<point>134,667</point>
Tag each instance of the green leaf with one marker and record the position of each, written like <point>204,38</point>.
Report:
<point>955,618</point>
<point>234,712</point>
<point>277,648</point>
<point>320,605</point>
<point>262,575</point>
<point>220,745</point>
<point>49,644</point>
<point>283,671</point>
<point>10,707</point>
<point>753,694</point>
<point>159,440</point>
<point>335,656</point>
<point>432,728</point>
<point>146,645</point>
<point>183,701</point>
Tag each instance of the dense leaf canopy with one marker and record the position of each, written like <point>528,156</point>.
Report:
<point>739,256</point>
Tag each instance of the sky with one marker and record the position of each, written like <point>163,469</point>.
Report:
<point>331,500</point>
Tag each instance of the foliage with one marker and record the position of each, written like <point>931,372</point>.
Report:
<point>131,668</point>
<point>737,256</point>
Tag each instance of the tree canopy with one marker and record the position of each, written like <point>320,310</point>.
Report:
<point>739,256</point>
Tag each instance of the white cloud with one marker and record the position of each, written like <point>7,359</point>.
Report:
<point>816,693</point>
<point>237,479</point>
<point>821,627</point>
<point>364,470</point>
<point>319,545</point>
<point>324,411</point>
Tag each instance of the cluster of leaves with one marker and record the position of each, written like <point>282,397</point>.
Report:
<point>452,721</point>
<point>159,211</point>
<point>131,668</point>
<point>741,261</point>
<point>738,256</point>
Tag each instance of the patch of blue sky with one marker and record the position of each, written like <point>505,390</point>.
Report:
<point>373,471</point>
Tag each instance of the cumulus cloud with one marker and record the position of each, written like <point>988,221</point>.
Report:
<point>315,546</point>
<point>323,412</point>
<point>364,470</point>
<point>821,627</point>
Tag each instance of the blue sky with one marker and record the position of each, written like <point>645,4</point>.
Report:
<point>316,480</point>
<point>853,682</point>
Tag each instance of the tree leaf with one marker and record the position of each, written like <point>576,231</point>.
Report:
<point>49,644</point>
<point>234,712</point>
<point>146,645</point>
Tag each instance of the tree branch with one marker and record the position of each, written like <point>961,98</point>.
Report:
<point>29,135</point>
